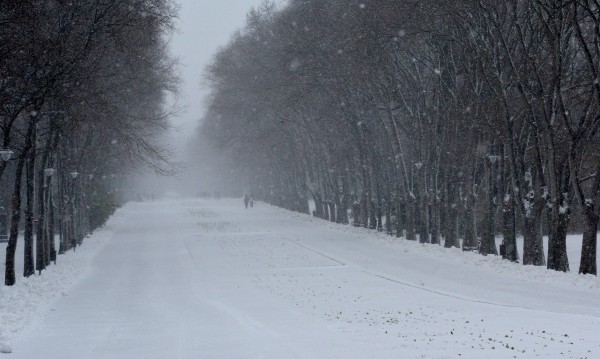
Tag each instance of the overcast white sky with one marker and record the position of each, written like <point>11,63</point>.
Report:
<point>204,26</point>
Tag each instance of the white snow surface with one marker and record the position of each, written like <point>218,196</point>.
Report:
<point>209,279</point>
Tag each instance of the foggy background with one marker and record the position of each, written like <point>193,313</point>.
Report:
<point>203,27</point>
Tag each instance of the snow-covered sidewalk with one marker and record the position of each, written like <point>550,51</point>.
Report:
<point>210,279</point>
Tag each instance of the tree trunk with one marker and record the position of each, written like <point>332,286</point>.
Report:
<point>51,230</point>
<point>423,208</point>
<point>344,202</point>
<point>325,210</point>
<point>450,218</point>
<point>29,264</point>
<point>410,220</point>
<point>62,214</point>
<point>364,211</point>
<point>41,242</point>
<point>509,248</point>
<point>49,234</point>
<point>399,227</point>
<point>302,205</point>
<point>533,245</point>
<point>450,227</point>
<point>488,239</point>
<point>73,216</point>
<point>424,225</point>
<point>557,242</point>
<point>11,248</point>
<point>356,220</point>
<point>587,265</point>
<point>509,231</point>
<point>388,217</point>
<point>470,240</point>
<point>342,210</point>
<point>435,221</point>
<point>332,210</point>
<point>372,214</point>
<point>379,216</point>
<point>318,206</point>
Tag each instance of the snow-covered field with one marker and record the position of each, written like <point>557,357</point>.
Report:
<point>209,279</point>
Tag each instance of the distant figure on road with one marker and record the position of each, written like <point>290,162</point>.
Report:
<point>251,201</point>
<point>246,200</point>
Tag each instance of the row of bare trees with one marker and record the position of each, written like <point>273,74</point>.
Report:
<point>82,91</point>
<point>445,121</point>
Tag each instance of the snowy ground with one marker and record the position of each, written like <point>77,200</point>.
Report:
<point>573,244</point>
<point>209,279</point>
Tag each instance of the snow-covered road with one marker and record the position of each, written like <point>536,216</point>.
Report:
<point>210,279</point>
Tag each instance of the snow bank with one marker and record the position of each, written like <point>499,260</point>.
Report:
<point>22,304</point>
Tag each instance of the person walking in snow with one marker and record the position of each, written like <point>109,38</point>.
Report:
<point>251,201</point>
<point>246,200</point>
